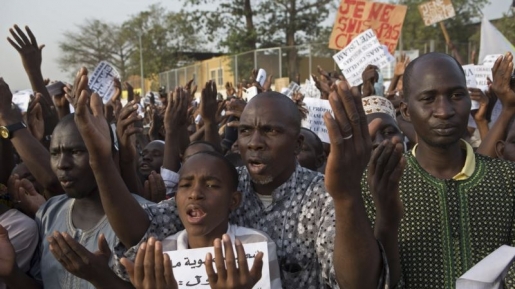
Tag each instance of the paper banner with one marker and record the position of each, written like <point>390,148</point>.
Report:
<point>364,50</point>
<point>101,80</point>
<point>315,119</point>
<point>190,271</point>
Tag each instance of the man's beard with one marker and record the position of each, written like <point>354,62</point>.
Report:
<point>264,180</point>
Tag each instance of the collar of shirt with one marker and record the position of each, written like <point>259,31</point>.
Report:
<point>279,193</point>
<point>470,161</point>
<point>182,238</point>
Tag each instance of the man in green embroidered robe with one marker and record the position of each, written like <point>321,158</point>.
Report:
<point>459,206</point>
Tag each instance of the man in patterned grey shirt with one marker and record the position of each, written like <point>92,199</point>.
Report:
<point>307,214</point>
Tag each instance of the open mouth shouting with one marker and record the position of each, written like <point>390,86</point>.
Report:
<point>195,214</point>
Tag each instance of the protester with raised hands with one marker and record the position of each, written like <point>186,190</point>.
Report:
<point>445,188</point>
<point>126,130</point>
<point>35,156</point>
<point>504,88</point>
<point>31,56</point>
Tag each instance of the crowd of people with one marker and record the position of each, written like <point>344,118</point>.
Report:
<point>407,194</point>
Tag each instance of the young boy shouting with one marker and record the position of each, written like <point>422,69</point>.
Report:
<point>206,194</point>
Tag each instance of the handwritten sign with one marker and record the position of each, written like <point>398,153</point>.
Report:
<point>356,16</point>
<point>190,271</point>
<point>365,49</point>
<point>315,119</point>
<point>101,80</point>
<point>435,11</point>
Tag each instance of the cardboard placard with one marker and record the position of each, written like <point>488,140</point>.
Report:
<point>356,16</point>
<point>101,80</point>
<point>435,11</point>
<point>315,118</point>
<point>364,50</point>
<point>281,83</point>
<point>189,269</point>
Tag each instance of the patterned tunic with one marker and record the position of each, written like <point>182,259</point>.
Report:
<point>450,225</point>
<point>300,220</point>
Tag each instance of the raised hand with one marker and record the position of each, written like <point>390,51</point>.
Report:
<point>125,129</point>
<point>28,200</point>
<point>151,269</point>
<point>401,64</point>
<point>384,172</point>
<point>351,144</point>
<point>130,91</point>
<point>81,83</point>
<point>155,188</point>
<point>78,260</point>
<point>92,125</point>
<point>27,47</point>
<point>268,82</point>
<point>502,72</point>
<point>176,113</point>
<point>35,119</point>
<point>8,113</point>
<point>114,106</point>
<point>227,275</point>
<point>479,96</point>
<point>208,103</point>
<point>370,77</point>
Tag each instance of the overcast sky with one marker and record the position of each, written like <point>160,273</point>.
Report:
<point>48,20</point>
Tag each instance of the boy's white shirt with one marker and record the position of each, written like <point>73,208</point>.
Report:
<point>179,241</point>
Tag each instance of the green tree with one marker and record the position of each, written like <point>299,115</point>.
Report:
<point>415,35</point>
<point>248,25</point>
<point>165,37</point>
<point>94,41</point>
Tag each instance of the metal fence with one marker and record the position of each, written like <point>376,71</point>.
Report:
<point>282,62</point>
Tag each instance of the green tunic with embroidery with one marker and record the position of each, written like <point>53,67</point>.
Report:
<point>448,226</point>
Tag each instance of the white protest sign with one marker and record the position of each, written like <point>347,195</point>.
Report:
<point>309,89</point>
<point>101,80</point>
<point>189,269</point>
<point>471,82</point>
<point>389,56</point>
<point>363,50</point>
<point>315,118</point>
<point>22,98</point>
<point>249,93</point>
<point>491,59</point>
<point>482,72</point>
<point>292,88</point>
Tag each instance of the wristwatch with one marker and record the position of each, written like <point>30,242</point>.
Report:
<point>6,132</point>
